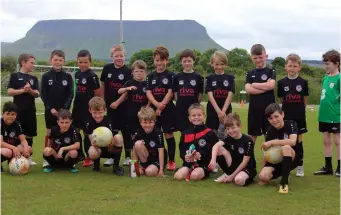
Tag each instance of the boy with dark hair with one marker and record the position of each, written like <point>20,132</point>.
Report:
<point>87,86</point>
<point>149,145</point>
<point>97,108</point>
<point>160,95</point>
<point>188,87</point>
<point>235,154</point>
<point>329,111</point>
<point>281,133</point>
<point>56,91</point>
<point>260,84</point>
<point>293,92</point>
<point>113,77</point>
<point>13,142</point>
<point>24,89</point>
<point>62,149</point>
<point>195,146</point>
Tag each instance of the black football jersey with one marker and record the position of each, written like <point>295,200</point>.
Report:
<point>159,84</point>
<point>220,86</point>
<point>153,141</point>
<point>63,139</point>
<point>136,98</point>
<point>11,132</point>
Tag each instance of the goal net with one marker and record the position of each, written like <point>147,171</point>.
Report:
<point>38,71</point>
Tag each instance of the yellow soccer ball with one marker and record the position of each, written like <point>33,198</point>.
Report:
<point>19,166</point>
<point>274,155</point>
<point>102,136</point>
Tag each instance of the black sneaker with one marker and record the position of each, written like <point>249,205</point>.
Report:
<point>96,165</point>
<point>337,173</point>
<point>118,170</point>
<point>324,171</point>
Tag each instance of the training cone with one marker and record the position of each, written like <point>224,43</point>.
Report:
<point>242,103</point>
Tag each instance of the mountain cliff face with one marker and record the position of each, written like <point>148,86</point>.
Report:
<point>99,35</point>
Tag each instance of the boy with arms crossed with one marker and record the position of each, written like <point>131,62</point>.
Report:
<point>24,89</point>
<point>293,92</point>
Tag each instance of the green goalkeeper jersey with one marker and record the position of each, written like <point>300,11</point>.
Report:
<point>329,110</point>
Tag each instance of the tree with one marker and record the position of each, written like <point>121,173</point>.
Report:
<point>204,60</point>
<point>146,55</point>
<point>239,58</point>
<point>8,64</point>
<point>278,61</point>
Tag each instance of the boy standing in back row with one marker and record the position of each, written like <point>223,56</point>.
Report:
<point>293,92</point>
<point>329,111</point>
<point>56,92</point>
<point>260,84</point>
<point>24,89</point>
<point>160,95</point>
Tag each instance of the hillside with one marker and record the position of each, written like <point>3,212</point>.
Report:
<point>99,35</point>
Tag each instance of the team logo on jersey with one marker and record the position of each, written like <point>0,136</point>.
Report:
<point>193,83</point>
<point>153,81</point>
<point>214,83</point>
<point>67,140</point>
<point>57,141</point>
<point>226,83</point>
<point>232,147</point>
<point>331,85</point>
<point>31,82</point>
<point>165,81</point>
<point>299,88</point>
<point>241,150</point>
<point>285,136</point>
<point>181,82</point>
<point>152,144</point>
<point>121,77</point>
<point>84,81</point>
<point>202,142</point>
<point>264,77</point>
<point>50,82</point>
<point>109,75</point>
<point>286,88</point>
<point>64,82</point>
<point>12,134</point>
<point>144,89</point>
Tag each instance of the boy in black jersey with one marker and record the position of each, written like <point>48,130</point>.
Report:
<point>160,95</point>
<point>97,108</point>
<point>63,146</point>
<point>188,87</point>
<point>220,90</point>
<point>135,92</point>
<point>281,133</point>
<point>56,91</point>
<point>235,154</point>
<point>260,84</point>
<point>293,92</point>
<point>13,142</point>
<point>149,146</point>
<point>195,146</point>
<point>87,86</point>
<point>113,77</point>
<point>24,89</point>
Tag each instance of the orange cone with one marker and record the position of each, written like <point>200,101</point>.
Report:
<point>242,103</point>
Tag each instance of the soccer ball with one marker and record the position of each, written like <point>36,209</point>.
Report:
<point>274,155</point>
<point>19,166</point>
<point>102,136</point>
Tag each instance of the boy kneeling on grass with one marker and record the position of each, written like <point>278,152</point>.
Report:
<point>149,145</point>
<point>235,154</point>
<point>281,133</point>
<point>13,142</point>
<point>61,150</point>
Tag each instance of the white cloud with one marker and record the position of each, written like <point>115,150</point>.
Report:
<point>308,27</point>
